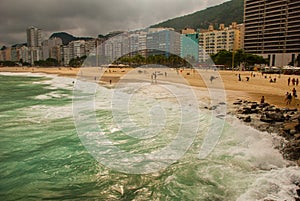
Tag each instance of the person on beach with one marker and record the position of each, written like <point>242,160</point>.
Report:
<point>289,99</point>
<point>289,81</point>
<point>294,93</point>
<point>274,80</point>
<point>212,78</point>
<point>240,79</point>
<point>297,82</point>
<point>293,81</point>
<point>262,100</point>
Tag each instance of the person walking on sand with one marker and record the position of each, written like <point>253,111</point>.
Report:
<point>297,82</point>
<point>289,99</point>
<point>289,81</point>
<point>262,100</point>
<point>293,81</point>
<point>212,78</point>
<point>294,93</point>
<point>240,79</point>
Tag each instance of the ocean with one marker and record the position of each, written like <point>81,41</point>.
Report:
<point>45,157</point>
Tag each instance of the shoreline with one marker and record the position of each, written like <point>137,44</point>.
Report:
<point>251,90</point>
<point>284,122</point>
<point>241,96</point>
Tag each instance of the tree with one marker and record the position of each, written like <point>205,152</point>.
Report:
<point>224,57</point>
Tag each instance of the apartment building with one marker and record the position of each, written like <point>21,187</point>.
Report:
<point>212,41</point>
<point>272,30</point>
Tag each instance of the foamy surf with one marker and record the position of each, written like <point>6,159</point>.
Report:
<point>41,139</point>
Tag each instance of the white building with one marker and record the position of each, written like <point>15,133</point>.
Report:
<point>34,43</point>
<point>51,48</point>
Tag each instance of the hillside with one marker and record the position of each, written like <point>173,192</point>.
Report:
<point>66,37</point>
<point>231,11</point>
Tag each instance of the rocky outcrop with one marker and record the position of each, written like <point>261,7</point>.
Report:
<point>268,118</point>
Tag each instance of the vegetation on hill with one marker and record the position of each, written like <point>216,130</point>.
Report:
<point>226,13</point>
<point>109,35</point>
<point>67,38</point>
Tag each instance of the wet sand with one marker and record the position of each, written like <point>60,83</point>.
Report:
<point>251,90</point>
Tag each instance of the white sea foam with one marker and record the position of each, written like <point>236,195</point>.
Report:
<point>277,184</point>
<point>272,177</point>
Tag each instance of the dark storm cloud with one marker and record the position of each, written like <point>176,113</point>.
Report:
<point>88,18</point>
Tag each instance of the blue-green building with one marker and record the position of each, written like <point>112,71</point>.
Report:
<point>189,47</point>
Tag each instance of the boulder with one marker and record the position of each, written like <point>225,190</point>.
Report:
<point>263,118</point>
<point>246,110</point>
<point>275,116</point>
<point>247,119</point>
<point>297,136</point>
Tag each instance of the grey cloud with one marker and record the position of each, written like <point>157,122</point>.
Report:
<point>90,17</point>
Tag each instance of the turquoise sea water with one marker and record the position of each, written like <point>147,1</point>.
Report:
<point>42,157</point>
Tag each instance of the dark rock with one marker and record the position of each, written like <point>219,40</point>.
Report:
<point>297,128</point>
<point>266,119</point>
<point>297,137</point>
<point>246,110</point>
<point>247,119</point>
<point>290,109</point>
<point>237,103</point>
<point>262,105</point>
<point>254,111</point>
<point>289,126</point>
<point>275,116</point>
<point>222,103</point>
<point>293,132</point>
<point>270,109</point>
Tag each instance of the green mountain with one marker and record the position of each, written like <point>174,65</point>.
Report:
<point>226,13</point>
<point>66,37</point>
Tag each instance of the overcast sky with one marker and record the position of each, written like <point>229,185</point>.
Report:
<point>88,17</point>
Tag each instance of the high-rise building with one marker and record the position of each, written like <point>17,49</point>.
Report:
<point>189,45</point>
<point>163,40</point>
<point>138,43</point>
<point>51,48</point>
<point>272,30</point>
<point>34,37</point>
<point>34,43</point>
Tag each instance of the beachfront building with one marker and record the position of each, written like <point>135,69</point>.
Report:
<point>138,43</point>
<point>66,54</point>
<point>19,53</point>
<point>77,48</point>
<point>34,37</point>
<point>34,43</point>
<point>116,47</point>
<point>90,46</point>
<point>212,41</point>
<point>272,30</point>
<point>163,41</point>
<point>51,48</point>
<point>189,48</point>
<point>5,54</point>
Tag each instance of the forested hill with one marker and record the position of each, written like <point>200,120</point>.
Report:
<point>66,37</point>
<point>226,13</point>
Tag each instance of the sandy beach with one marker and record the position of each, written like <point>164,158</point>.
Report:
<point>251,90</point>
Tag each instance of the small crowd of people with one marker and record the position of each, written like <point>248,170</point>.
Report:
<point>295,82</point>
<point>289,96</point>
